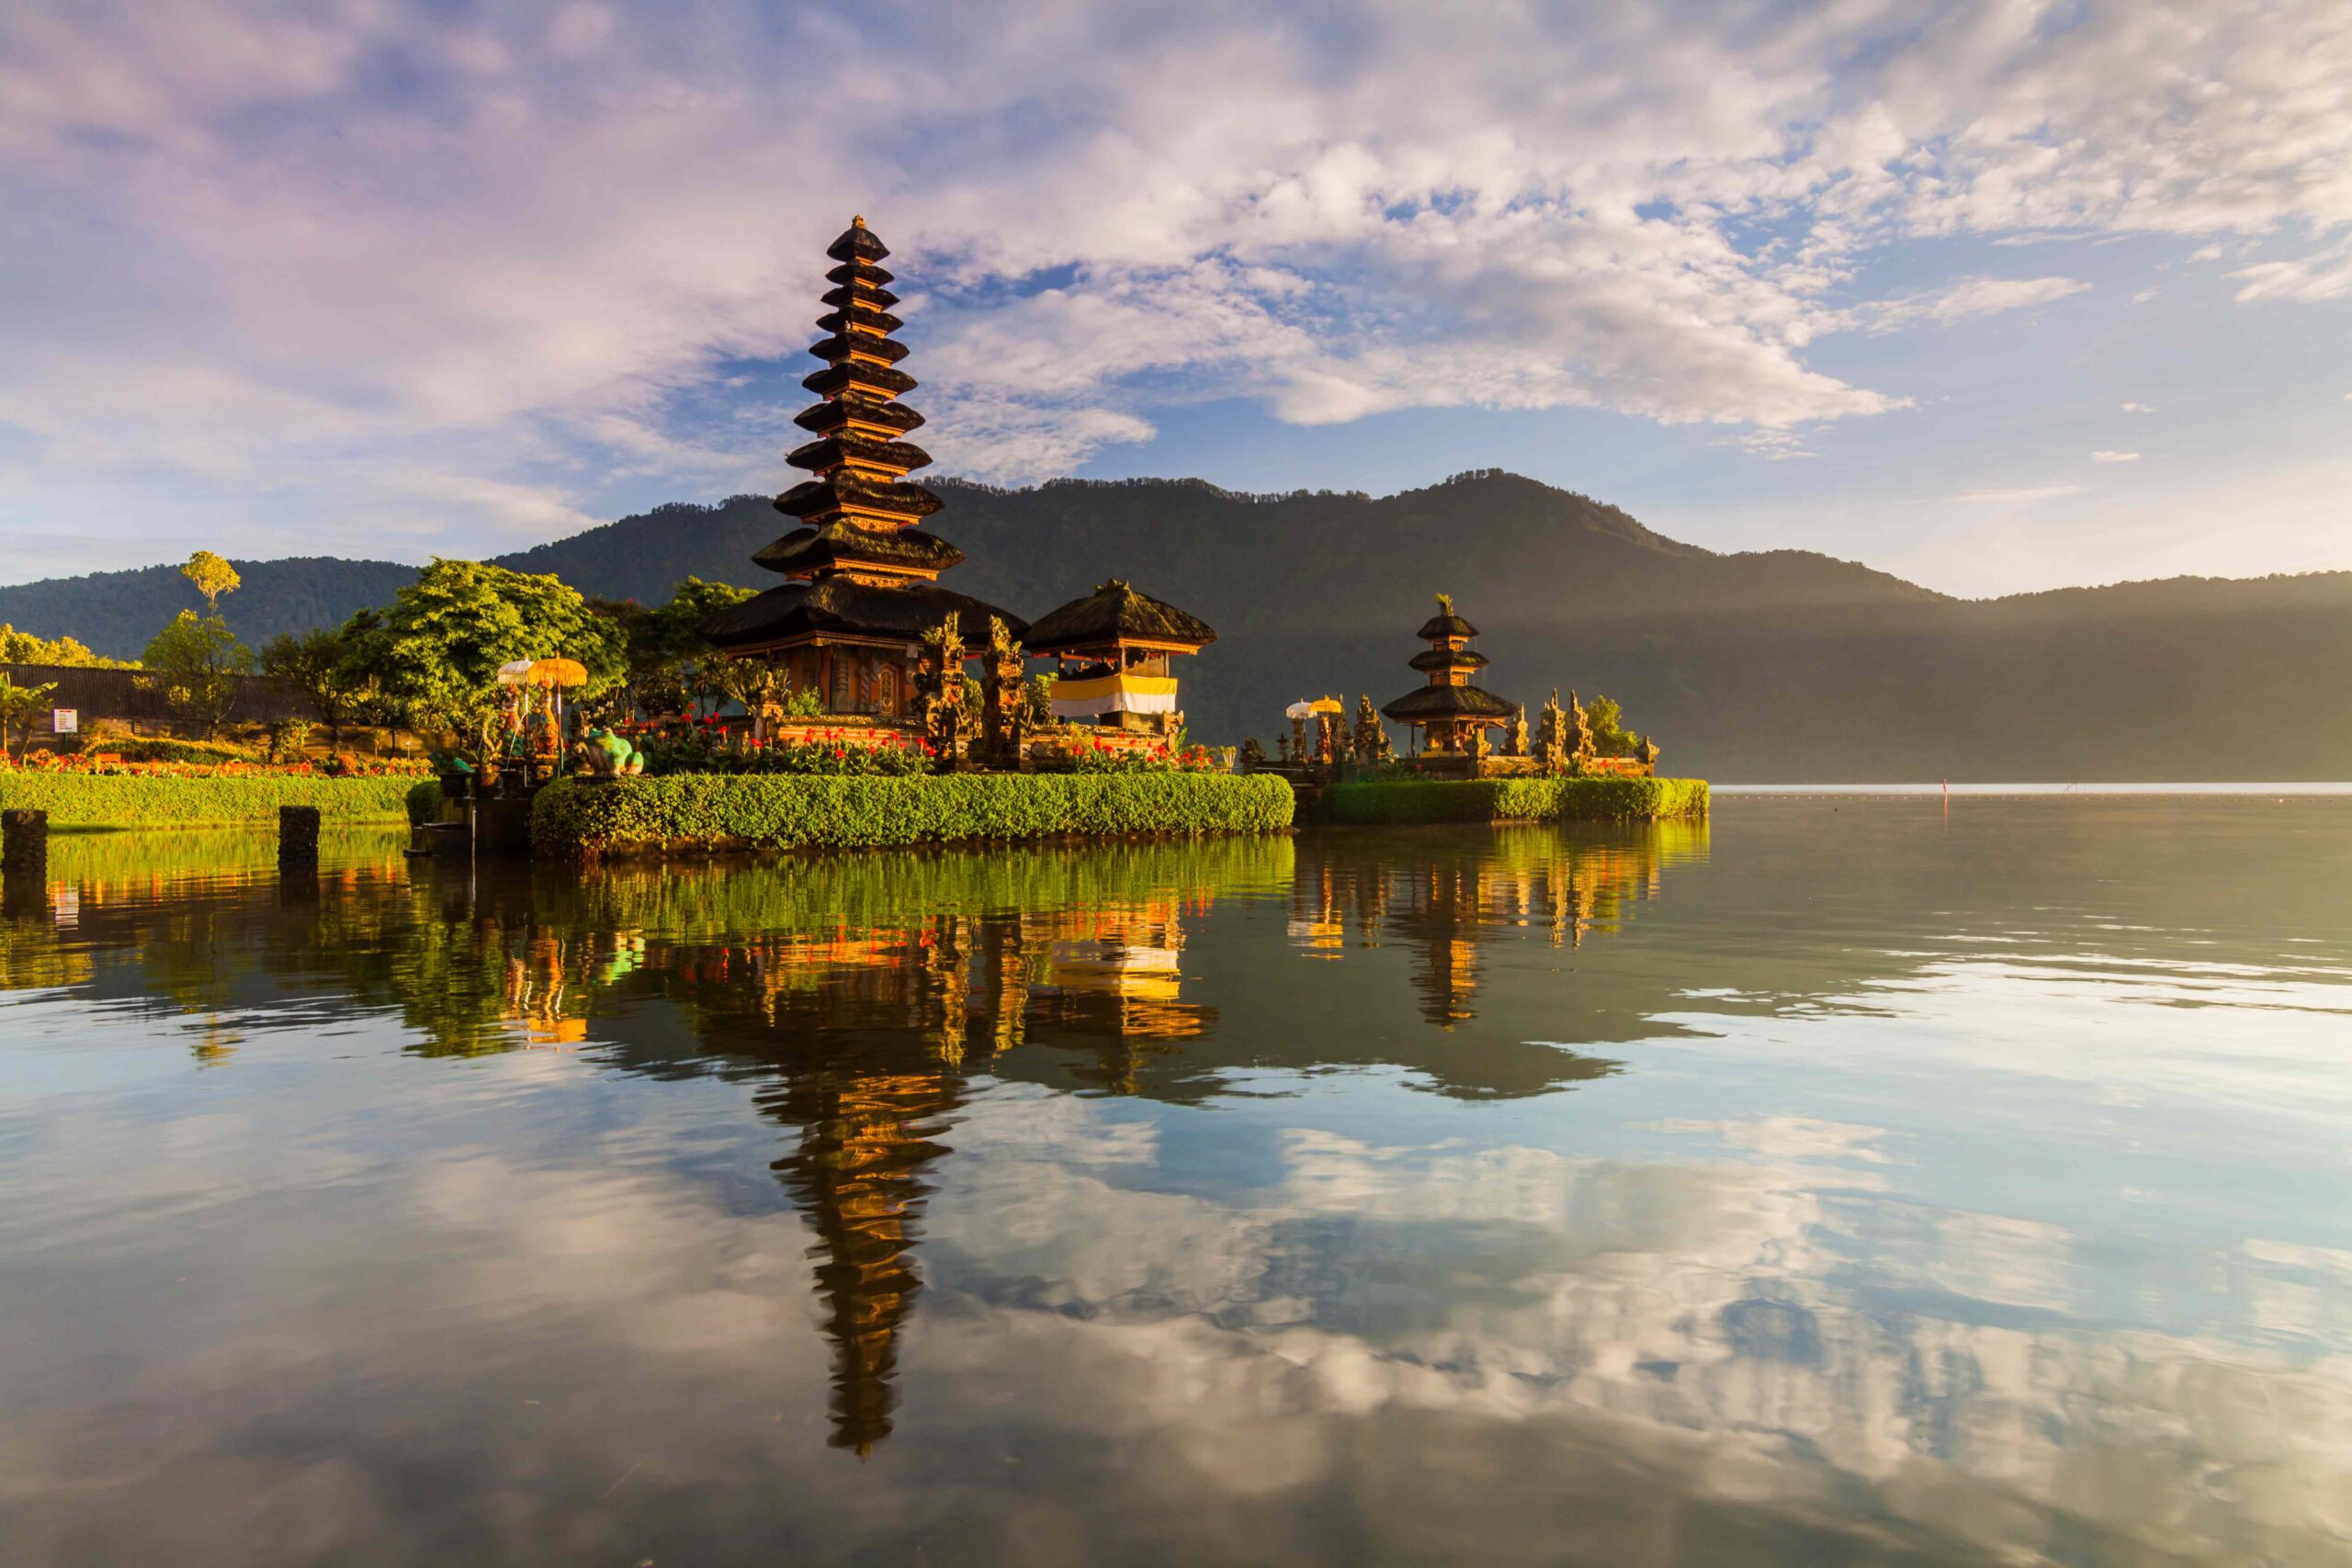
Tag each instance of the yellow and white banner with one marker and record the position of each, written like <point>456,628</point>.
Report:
<point>1115,693</point>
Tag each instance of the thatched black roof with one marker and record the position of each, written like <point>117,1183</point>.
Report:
<point>821,498</point>
<point>858,242</point>
<point>846,543</point>
<point>840,345</point>
<point>862,315</point>
<point>1112,612</point>
<point>852,294</point>
<point>837,606</point>
<point>1447,624</point>
<point>1447,702</point>
<point>834,450</point>
<point>1444,659</point>
<point>850,272</point>
<point>888,379</point>
<point>832,415</point>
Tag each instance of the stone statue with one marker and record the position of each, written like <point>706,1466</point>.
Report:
<point>1515,742</point>
<point>1253,756</point>
<point>1282,743</point>
<point>1553,738</point>
<point>941,706</point>
<point>1647,753</point>
<point>1298,739</point>
<point>1004,705</point>
<point>1477,747</point>
<point>1579,736</point>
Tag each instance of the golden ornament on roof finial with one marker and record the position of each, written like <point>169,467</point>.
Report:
<point>857,221</point>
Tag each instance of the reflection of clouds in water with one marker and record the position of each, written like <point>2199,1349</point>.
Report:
<point>1710,1309</point>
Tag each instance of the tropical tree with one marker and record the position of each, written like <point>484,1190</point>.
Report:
<point>435,653</point>
<point>19,705</point>
<point>678,668</point>
<point>1610,736</point>
<point>316,663</point>
<point>195,663</point>
<point>212,577</point>
<point>22,648</point>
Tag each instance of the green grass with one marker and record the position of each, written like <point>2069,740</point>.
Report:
<point>1515,800</point>
<point>580,817</point>
<point>131,800</point>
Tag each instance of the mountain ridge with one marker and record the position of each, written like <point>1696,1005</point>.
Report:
<point>1779,663</point>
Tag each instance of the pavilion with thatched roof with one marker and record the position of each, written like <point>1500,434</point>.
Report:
<point>1121,642</point>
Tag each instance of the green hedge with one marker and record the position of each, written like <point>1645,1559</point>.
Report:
<point>425,802</point>
<point>578,815</point>
<point>1515,800</point>
<point>134,800</point>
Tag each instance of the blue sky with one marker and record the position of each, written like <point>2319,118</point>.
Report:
<point>1999,296</point>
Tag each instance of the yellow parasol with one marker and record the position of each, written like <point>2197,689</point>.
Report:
<point>560,672</point>
<point>1327,704</point>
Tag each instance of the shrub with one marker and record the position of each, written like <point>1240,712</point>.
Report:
<point>133,749</point>
<point>1515,800</point>
<point>585,817</point>
<point>132,800</point>
<point>699,752</point>
<point>426,801</point>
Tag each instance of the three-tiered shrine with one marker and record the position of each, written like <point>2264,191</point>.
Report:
<point>1449,709</point>
<point>862,579</point>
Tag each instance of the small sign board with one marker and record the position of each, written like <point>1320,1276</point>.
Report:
<point>64,721</point>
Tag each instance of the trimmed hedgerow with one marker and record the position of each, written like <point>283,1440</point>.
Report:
<point>1515,800</point>
<point>598,817</point>
<point>134,800</point>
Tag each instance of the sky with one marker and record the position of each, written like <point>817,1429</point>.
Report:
<point>2000,296</point>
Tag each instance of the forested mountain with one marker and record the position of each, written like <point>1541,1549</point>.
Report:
<point>1774,665</point>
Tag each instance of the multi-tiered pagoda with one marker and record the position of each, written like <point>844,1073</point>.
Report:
<point>862,580</point>
<point>1449,708</point>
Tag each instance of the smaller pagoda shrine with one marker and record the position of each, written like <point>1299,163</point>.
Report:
<point>1111,651</point>
<point>1450,711</point>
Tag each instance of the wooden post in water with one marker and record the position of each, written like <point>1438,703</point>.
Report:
<point>24,843</point>
<point>24,863</point>
<point>298,838</point>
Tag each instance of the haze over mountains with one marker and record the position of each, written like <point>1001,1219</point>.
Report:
<point>1774,665</point>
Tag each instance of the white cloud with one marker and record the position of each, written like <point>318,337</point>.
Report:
<point>254,266</point>
<point>2115,456</point>
<point>1971,297</point>
<point>1773,446</point>
<point>2013,497</point>
<point>2324,274</point>
<point>2138,408</point>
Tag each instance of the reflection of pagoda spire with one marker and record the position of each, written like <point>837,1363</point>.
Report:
<point>865,1141</point>
<point>1447,924</point>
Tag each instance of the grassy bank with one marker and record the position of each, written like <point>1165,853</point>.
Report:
<point>132,800</point>
<point>577,817</point>
<point>1515,800</point>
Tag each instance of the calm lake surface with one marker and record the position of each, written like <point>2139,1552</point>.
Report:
<point>1849,1180</point>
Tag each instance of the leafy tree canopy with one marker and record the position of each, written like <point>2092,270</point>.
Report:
<point>196,660</point>
<point>22,648</point>
<point>436,651</point>
<point>212,577</point>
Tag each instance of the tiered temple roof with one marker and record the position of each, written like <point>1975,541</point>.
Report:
<point>1449,706</point>
<point>860,569</point>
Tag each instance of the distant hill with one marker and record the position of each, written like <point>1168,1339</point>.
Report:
<point>1780,664</point>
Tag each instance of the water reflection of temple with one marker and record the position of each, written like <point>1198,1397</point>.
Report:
<point>1445,904</point>
<point>868,1039</point>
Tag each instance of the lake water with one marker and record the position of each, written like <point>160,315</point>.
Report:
<point>1848,1181</point>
